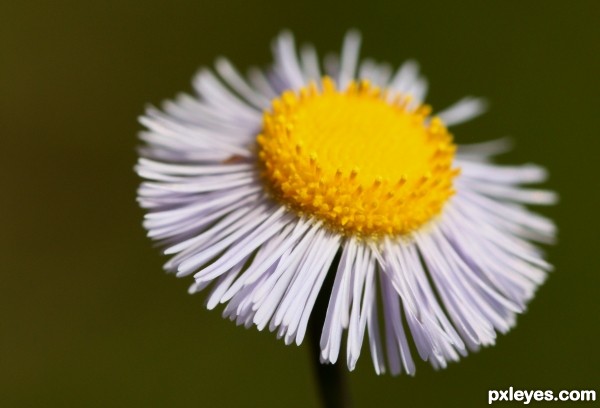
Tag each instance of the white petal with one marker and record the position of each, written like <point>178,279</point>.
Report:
<point>462,111</point>
<point>349,59</point>
<point>286,61</point>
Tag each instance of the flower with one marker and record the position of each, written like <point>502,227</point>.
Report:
<point>256,184</point>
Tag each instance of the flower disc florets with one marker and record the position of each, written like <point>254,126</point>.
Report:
<point>359,159</point>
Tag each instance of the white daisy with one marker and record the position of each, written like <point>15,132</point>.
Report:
<point>256,183</point>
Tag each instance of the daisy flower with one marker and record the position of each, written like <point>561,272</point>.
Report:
<point>259,186</point>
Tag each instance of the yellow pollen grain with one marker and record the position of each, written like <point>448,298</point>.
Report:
<point>364,165</point>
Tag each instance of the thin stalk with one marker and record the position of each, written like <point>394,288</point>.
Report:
<point>331,378</point>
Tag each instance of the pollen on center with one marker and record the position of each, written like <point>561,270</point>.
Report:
<point>362,160</point>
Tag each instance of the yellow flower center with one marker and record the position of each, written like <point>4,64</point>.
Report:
<point>364,165</point>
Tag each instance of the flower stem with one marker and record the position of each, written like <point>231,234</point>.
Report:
<point>331,378</point>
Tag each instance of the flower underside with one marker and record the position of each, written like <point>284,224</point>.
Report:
<point>365,162</point>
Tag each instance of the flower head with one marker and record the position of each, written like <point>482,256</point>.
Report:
<point>255,184</point>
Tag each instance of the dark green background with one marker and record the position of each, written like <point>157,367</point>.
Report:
<point>88,318</point>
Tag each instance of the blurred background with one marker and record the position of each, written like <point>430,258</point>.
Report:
<point>87,316</point>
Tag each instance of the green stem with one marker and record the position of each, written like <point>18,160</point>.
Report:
<point>331,378</point>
